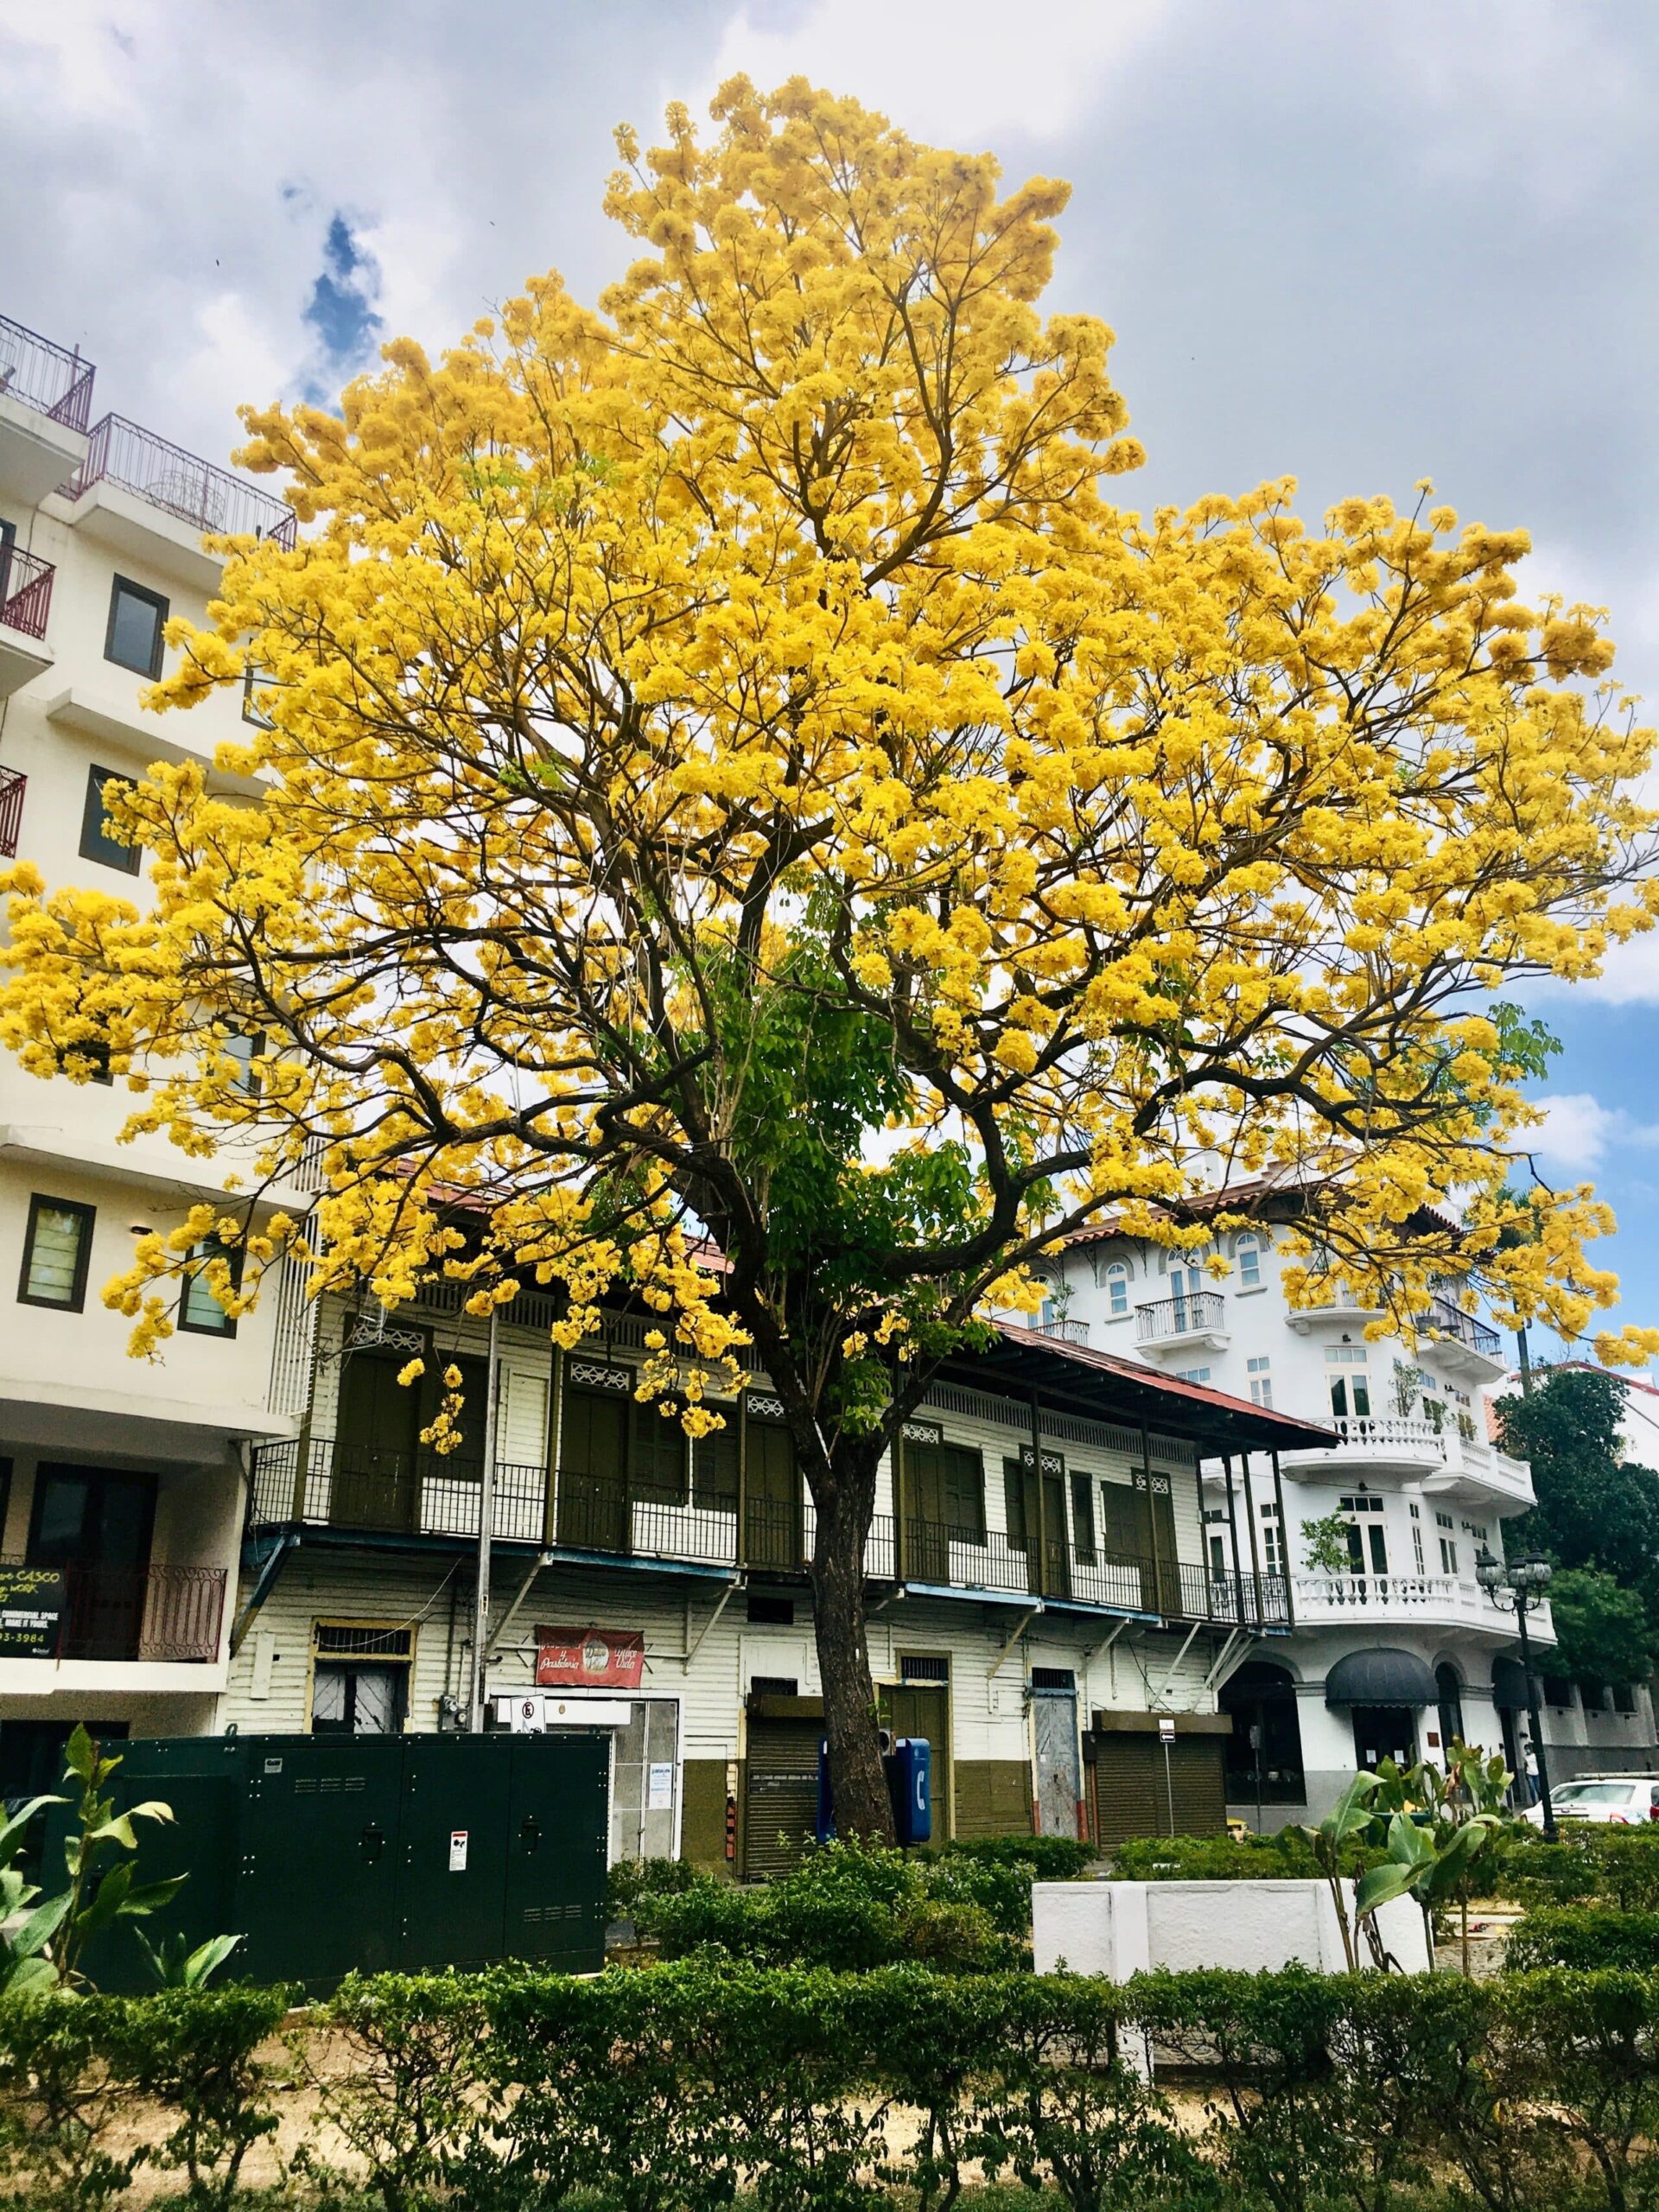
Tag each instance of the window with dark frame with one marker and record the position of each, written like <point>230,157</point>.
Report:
<point>96,842</point>
<point>200,1312</point>
<point>57,1250</point>
<point>133,639</point>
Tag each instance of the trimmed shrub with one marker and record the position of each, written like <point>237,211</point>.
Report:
<point>1284,1856</point>
<point>1587,1938</point>
<point>851,1907</point>
<point>1050,1857</point>
<point>63,2084</point>
<point>410,2100</point>
<point>195,2052</point>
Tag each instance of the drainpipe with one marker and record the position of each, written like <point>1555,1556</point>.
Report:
<point>1250,1514</point>
<point>485,1515</point>
<point>1232,1524</point>
<point>1284,1543</point>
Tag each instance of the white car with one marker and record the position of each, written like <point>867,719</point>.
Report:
<point>1625,1799</point>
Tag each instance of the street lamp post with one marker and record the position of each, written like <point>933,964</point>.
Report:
<point>1516,1587</point>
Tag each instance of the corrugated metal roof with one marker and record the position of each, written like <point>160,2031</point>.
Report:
<point>1212,1417</point>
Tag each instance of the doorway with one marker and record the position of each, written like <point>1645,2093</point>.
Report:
<point>1384,1731</point>
<point>1054,1750</point>
<point>94,1524</point>
<point>1264,1754</point>
<point>918,1704</point>
<point>593,1492</point>
<point>1036,1523</point>
<point>772,1533</point>
<point>377,1431</point>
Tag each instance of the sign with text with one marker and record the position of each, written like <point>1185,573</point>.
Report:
<point>589,1658</point>
<point>32,1600</point>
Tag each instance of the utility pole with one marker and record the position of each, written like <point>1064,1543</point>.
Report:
<point>485,1518</point>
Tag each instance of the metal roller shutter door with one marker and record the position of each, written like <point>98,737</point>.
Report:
<point>1132,1793</point>
<point>780,1795</point>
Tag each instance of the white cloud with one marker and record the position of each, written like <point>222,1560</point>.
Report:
<point>959,71</point>
<point>1578,1133</point>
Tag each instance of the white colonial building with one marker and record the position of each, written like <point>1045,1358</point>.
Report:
<point>1389,1644</point>
<point>121,1481</point>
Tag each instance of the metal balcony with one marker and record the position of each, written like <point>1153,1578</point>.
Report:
<point>25,591</point>
<point>49,379</point>
<point>210,500</point>
<point>160,1615</point>
<point>12,784</point>
<point>1196,1316</point>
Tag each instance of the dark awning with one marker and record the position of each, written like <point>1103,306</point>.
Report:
<point>1509,1686</point>
<point>1385,1676</point>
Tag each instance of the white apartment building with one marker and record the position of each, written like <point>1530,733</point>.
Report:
<point>122,1482</point>
<point>1393,1647</point>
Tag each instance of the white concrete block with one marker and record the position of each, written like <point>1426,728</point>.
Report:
<point>1118,1928</point>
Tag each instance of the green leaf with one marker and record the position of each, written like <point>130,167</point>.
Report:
<point>11,1831</point>
<point>151,1809</point>
<point>41,1925</point>
<point>107,1903</point>
<point>78,1754</point>
<point>119,1830</point>
<point>28,1977</point>
<point>151,1896</point>
<point>1381,1884</point>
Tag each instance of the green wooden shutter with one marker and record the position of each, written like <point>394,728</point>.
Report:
<point>713,1469</point>
<point>657,1457</point>
<point>1013,1503</point>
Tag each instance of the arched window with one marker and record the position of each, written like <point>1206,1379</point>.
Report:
<point>1117,1288</point>
<point>1264,1753</point>
<point>1448,1697</point>
<point>1247,1252</point>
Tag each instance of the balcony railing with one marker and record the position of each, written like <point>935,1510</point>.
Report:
<point>160,1614</point>
<point>12,784</point>
<point>1067,1333</point>
<point>210,500</point>
<point>392,1493</point>
<point>1192,1313</point>
<point>1321,1597</point>
<point>372,1491</point>
<point>25,591</point>
<point>1463,1329</point>
<point>51,379</point>
<point>964,1559</point>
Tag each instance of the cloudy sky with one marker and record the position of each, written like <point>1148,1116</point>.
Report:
<point>1360,246</point>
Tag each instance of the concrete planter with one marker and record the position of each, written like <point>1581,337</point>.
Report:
<point>1119,1928</point>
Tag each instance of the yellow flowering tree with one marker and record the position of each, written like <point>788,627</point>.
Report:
<point>746,811</point>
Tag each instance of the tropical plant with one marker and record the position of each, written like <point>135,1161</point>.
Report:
<point>729,785</point>
<point>174,1967</point>
<point>1325,1545</point>
<point>1348,1822</point>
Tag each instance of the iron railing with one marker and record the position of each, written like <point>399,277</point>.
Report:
<point>1451,1321</point>
<point>1193,1310</point>
<point>375,1491</point>
<point>156,1613</point>
<point>25,591</point>
<point>12,784</point>
<point>966,1559</point>
<point>51,379</point>
<point>1068,1332</point>
<point>210,500</point>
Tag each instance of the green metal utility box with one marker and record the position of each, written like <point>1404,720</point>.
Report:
<point>404,1853</point>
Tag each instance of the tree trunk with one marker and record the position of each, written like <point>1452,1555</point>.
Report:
<point>844,1503</point>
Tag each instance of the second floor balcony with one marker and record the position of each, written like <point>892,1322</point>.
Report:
<point>363,1492</point>
<point>108,1615</point>
<point>1430,1601</point>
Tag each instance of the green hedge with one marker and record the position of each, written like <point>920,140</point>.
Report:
<point>1618,1865</point>
<point>1286,1855</point>
<point>685,2088</point>
<point>852,1906</point>
<point>1586,1938</point>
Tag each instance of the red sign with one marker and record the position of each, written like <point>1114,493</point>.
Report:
<point>589,1658</point>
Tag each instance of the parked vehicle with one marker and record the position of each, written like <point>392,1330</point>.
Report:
<point>1625,1799</point>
